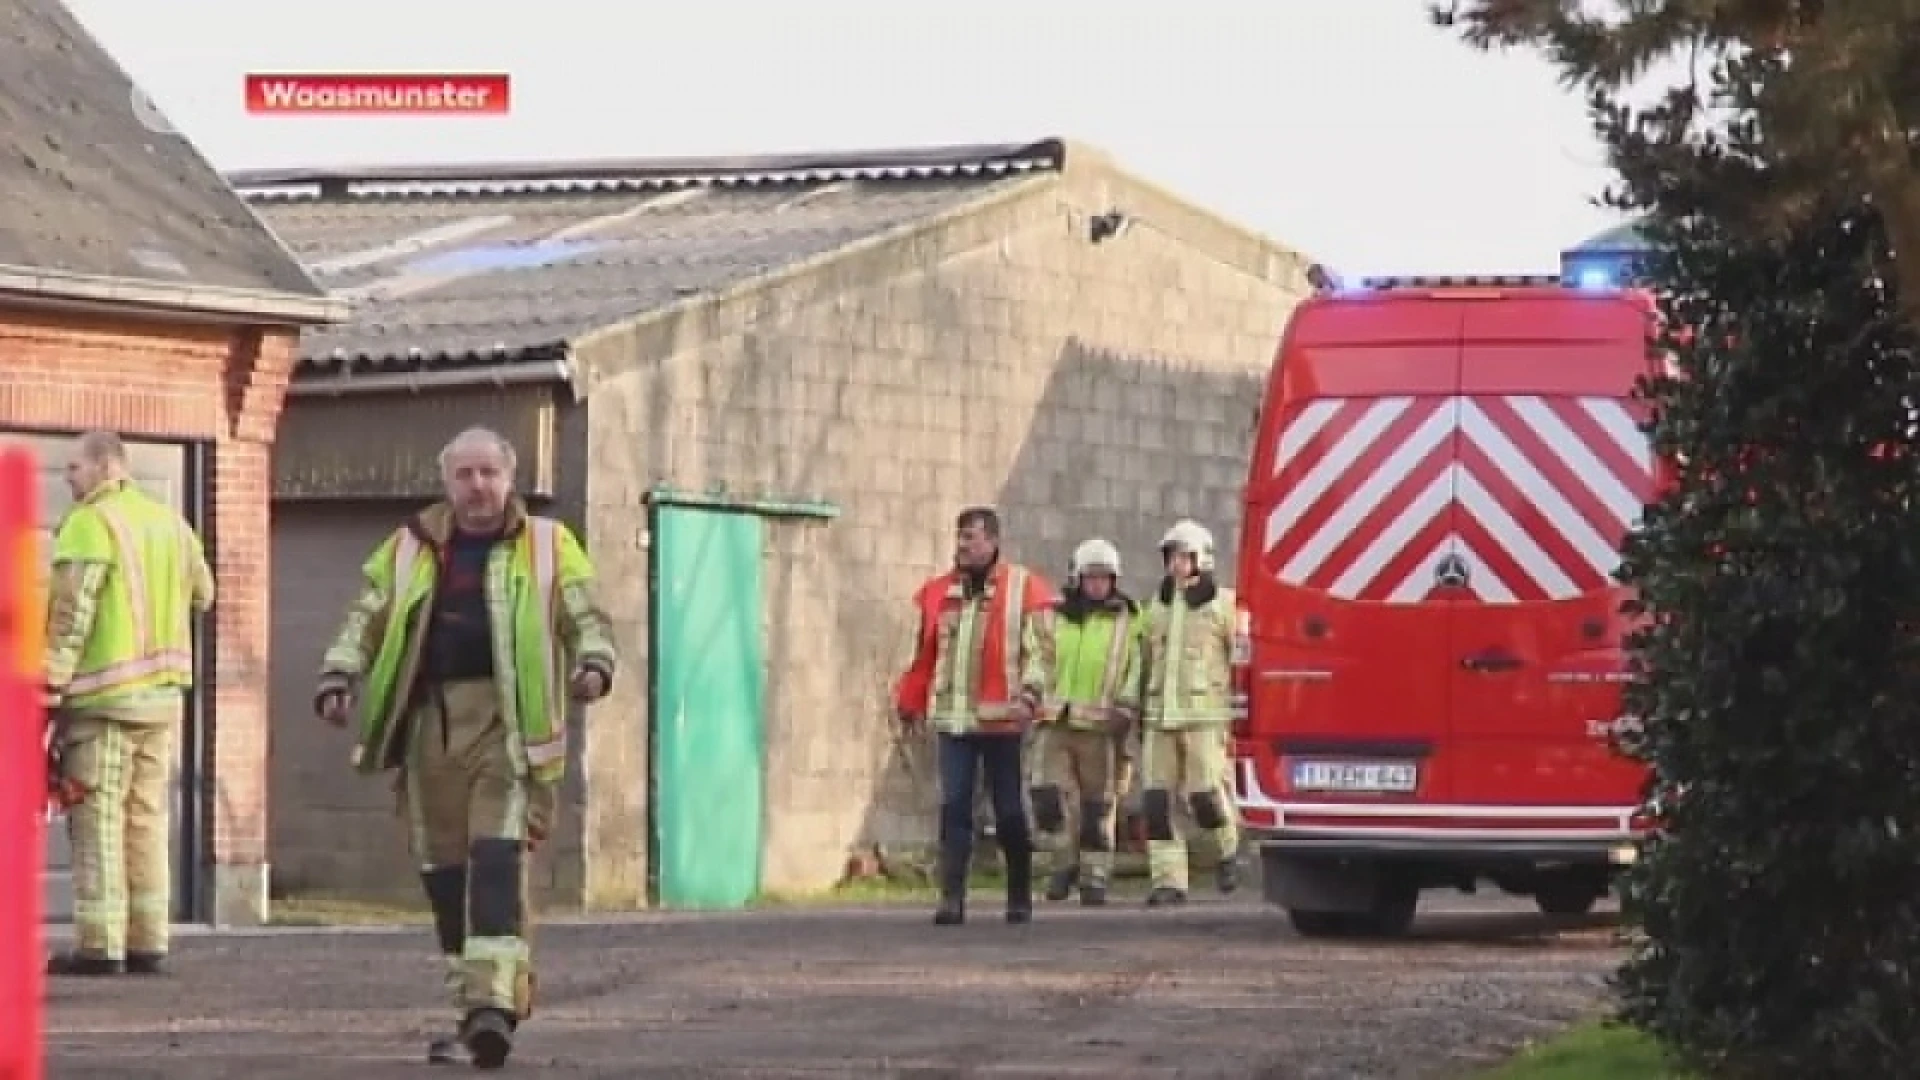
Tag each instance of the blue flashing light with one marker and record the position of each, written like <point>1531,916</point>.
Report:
<point>1594,277</point>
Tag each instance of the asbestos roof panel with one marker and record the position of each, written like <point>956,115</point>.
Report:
<point>479,271</point>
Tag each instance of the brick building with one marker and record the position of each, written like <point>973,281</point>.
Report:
<point>138,293</point>
<point>760,388</point>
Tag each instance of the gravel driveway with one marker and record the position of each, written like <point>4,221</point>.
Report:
<point>1218,990</point>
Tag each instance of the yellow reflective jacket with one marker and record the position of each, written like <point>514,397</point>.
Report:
<point>1186,659</point>
<point>544,620</point>
<point>129,574</point>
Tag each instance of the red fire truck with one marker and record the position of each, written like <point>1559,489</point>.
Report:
<point>1431,633</point>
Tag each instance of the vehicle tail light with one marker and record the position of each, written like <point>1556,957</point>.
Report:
<point>1242,668</point>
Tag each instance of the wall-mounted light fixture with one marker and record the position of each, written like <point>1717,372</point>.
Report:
<point>1108,226</point>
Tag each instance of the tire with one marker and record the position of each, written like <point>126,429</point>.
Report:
<point>1392,912</point>
<point>1390,916</point>
<point>1320,924</point>
<point>1565,899</point>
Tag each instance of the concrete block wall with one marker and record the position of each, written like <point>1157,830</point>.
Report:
<point>1002,358</point>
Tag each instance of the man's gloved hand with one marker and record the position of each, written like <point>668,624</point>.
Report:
<point>589,684</point>
<point>911,723</point>
<point>333,704</point>
<point>1026,709</point>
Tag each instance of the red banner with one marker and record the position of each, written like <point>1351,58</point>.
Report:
<point>23,781</point>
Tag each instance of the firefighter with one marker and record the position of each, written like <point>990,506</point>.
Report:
<point>982,663</point>
<point>129,575</point>
<point>1078,747</point>
<point>1186,715</point>
<point>474,627</point>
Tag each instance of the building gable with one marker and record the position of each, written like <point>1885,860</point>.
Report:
<point>105,204</point>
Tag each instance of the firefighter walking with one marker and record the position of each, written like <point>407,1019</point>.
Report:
<point>1080,745</point>
<point>474,628</point>
<point>129,575</point>
<point>982,664</point>
<point>1186,716</point>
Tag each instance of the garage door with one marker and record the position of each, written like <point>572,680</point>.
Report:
<point>161,470</point>
<point>317,799</point>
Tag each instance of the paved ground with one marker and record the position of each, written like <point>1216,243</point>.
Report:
<point>1218,990</point>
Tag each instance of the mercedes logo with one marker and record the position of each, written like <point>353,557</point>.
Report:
<point>1452,572</point>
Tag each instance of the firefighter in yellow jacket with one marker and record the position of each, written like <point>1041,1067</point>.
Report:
<point>1079,746</point>
<point>1186,709</point>
<point>475,627</point>
<point>129,575</point>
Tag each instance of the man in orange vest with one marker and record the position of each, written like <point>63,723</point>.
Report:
<point>982,663</point>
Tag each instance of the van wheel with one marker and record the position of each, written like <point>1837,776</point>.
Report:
<point>1320,924</point>
<point>1565,897</point>
<point>1391,915</point>
<point>1394,906</point>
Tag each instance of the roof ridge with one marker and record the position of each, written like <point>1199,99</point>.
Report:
<point>815,166</point>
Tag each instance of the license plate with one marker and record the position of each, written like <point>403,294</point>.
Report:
<point>1372,777</point>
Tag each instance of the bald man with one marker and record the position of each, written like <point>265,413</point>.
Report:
<point>129,575</point>
<point>475,628</point>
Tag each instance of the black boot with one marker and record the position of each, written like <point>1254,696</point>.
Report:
<point>1060,885</point>
<point>488,1035</point>
<point>953,889</point>
<point>86,964</point>
<point>444,1050</point>
<point>1227,876</point>
<point>146,963</point>
<point>1019,883</point>
<point>1093,893</point>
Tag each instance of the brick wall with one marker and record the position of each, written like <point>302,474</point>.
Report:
<point>1000,358</point>
<point>210,385</point>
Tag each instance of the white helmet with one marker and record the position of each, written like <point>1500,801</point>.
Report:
<point>1193,538</point>
<point>1094,556</point>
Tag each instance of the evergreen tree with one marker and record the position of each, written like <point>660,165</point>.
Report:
<point>1777,910</point>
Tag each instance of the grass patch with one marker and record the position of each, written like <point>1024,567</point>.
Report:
<point>322,909</point>
<point>1594,1051</point>
<point>876,890</point>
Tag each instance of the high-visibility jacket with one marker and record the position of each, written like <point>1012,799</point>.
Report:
<point>1187,659</point>
<point>541,612</point>
<point>978,651</point>
<point>1097,657</point>
<point>129,574</point>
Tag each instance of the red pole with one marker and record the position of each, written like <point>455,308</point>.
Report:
<point>23,782</point>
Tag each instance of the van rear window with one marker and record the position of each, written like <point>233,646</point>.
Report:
<point>1385,499</point>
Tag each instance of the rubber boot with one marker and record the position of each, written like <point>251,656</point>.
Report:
<point>1093,892</point>
<point>953,890</point>
<point>488,1035</point>
<point>1019,884</point>
<point>1226,876</point>
<point>1166,896</point>
<point>1060,885</point>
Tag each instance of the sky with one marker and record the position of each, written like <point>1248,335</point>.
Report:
<point>1351,130</point>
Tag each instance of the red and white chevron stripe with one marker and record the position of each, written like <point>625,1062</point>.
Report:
<point>1534,494</point>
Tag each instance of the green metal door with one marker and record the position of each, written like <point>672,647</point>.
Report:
<point>709,693</point>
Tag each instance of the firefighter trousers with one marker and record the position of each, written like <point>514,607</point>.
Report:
<point>471,813</point>
<point>120,832</point>
<point>1185,788</point>
<point>1075,795</point>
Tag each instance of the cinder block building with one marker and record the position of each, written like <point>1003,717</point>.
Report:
<point>760,389</point>
<point>137,293</point>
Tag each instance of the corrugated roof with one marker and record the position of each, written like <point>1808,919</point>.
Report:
<point>458,265</point>
<point>98,187</point>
